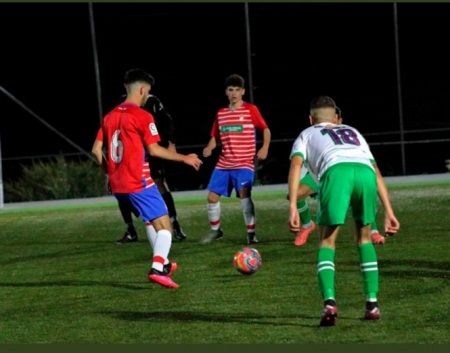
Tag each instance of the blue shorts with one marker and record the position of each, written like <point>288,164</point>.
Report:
<point>149,203</point>
<point>223,181</point>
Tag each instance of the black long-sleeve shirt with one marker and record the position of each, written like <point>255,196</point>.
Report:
<point>163,120</point>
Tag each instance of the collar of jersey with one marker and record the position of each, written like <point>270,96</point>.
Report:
<point>128,104</point>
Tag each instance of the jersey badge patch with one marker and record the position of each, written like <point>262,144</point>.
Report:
<point>153,129</point>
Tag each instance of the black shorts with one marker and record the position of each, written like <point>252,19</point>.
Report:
<point>157,170</point>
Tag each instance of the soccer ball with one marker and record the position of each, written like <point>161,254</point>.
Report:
<point>247,261</point>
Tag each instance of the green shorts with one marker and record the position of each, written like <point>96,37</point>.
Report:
<point>309,181</point>
<point>344,185</point>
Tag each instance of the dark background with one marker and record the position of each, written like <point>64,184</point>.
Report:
<point>299,51</point>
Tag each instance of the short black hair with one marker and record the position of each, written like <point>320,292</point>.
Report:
<point>234,81</point>
<point>322,102</point>
<point>138,75</point>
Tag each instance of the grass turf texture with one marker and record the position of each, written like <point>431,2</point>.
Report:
<point>64,280</point>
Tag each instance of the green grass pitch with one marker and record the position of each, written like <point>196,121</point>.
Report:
<point>64,280</point>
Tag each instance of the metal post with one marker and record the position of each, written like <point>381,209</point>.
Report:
<point>97,70</point>
<point>249,53</point>
<point>250,79</point>
<point>399,91</point>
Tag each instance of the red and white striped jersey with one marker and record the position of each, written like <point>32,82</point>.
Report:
<point>236,131</point>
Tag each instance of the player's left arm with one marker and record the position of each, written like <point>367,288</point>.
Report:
<point>172,147</point>
<point>391,224</point>
<point>157,151</point>
<point>150,138</point>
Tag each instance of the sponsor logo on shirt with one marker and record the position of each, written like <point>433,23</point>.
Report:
<point>231,128</point>
<point>153,129</point>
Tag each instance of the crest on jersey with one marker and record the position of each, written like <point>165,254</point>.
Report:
<point>153,129</point>
<point>241,117</point>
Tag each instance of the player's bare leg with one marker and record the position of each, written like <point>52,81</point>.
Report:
<point>162,268</point>
<point>214,211</point>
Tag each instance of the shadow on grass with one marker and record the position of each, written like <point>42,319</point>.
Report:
<point>192,316</point>
<point>143,286</point>
<point>50,255</point>
<point>434,265</point>
<point>53,242</point>
<point>416,274</point>
<point>417,268</point>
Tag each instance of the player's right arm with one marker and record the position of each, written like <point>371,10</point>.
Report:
<point>207,151</point>
<point>212,143</point>
<point>97,151</point>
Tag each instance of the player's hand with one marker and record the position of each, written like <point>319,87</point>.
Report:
<point>207,152</point>
<point>262,154</point>
<point>193,160</point>
<point>391,225</point>
<point>294,220</point>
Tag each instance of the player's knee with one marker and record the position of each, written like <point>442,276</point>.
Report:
<point>304,191</point>
<point>161,223</point>
<point>245,193</point>
<point>213,198</point>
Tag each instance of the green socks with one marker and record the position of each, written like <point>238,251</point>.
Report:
<point>369,270</point>
<point>303,211</point>
<point>325,272</point>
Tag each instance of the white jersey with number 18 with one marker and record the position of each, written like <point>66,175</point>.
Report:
<point>324,145</point>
